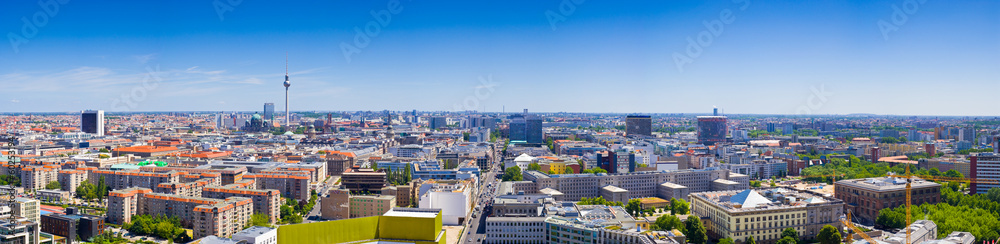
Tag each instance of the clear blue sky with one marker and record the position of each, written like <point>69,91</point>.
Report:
<point>603,56</point>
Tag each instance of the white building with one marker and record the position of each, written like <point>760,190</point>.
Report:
<point>257,235</point>
<point>520,161</point>
<point>454,198</point>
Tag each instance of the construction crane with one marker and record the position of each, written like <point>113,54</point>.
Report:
<point>847,222</point>
<point>909,179</point>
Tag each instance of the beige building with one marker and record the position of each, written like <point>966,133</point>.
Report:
<point>206,216</point>
<point>133,178</point>
<point>27,208</point>
<point>35,177</point>
<point>69,179</point>
<point>123,204</point>
<point>764,213</point>
<point>340,204</point>
<point>267,202</point>
<point>290,186</point>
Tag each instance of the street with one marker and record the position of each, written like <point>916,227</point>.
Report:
<point>475,228</point>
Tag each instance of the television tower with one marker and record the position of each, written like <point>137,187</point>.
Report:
<point>287,84</point>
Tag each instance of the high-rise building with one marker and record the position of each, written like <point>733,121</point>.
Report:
<point>526,127</point>
<point>984,166</point>
<point>269,111</point>
<point>639,125</point>
<point>437,122</point>
<point>929,149</point>
<point>92,121</point>
<point>712,129</point>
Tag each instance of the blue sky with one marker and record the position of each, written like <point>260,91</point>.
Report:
<point>771,57</point>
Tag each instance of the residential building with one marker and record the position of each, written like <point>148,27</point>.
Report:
<point>265,201</point>
<point>27,208</point>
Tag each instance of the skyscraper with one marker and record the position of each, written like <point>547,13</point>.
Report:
<point>712,129</point>
<point>92,121</point>
<point>526,127</point>
<point>638,125</point>
<point>269,111</point>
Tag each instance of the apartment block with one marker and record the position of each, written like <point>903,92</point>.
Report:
<point>27,208</point>
<point>290,186</point>
<point>70,179</point>
<point>123,179</point>
<point>123,204</point>
<point>35,178</point>
<point>223,218</point>
<point>190,189</point>
<point>266,202</point>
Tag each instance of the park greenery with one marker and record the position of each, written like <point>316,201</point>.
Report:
<point>828,235</point>
<point>259,219</point>
<point>160,226</point>
<point>855,168</point>
<point>598,201</point>
<point>668,222</point>
<point>980,222</point>
<point>293,211</point>
<point>594,171</point>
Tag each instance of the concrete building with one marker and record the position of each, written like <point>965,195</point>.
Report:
<point>340,204</point>
<point>360,180</point>
<point>865,197</point>
<point>69,179</point>
<point>123,179</point>
<point>53,195</point>
<point>614,194</point>
<point>73,226</point>
<point>257,235</point>
<point>92,121</point>
<point>521,230</point>
<point>669,190</point>
<point>920,231</point>
<point>638,184</point>
<point>123,204</point>
<point>638,125</point>
<point>745,213</point>
<point>984,166</point>
<point>290,186</point>
<point>35,177</point>
<point>27,208</point>
<point>206,216</point>
<point>712,129</point>
<point>265,202</point>
<point>454,198</point>
<point>19,231</point>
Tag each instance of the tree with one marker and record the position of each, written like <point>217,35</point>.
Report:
<point>634,207</point>
<point>726,240</point>
<point>696,232</point>
<point>535,167</point>
<point>953,173</point>
<point>993,194</point>
<point>790,232</point>
<point>750,240</point>
<point>787,240</point>
<point>682,206</point>
<point>828,235</point>
<point>568,171</point>
<point>673,205</point>
<point>600,171</point>
<point>669,222</point>
<point>259,219</point>
<point>53,185</point>
<point>512,174</point>
<point>552,172</point>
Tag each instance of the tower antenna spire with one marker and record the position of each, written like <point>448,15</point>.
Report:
<point>286,64</point>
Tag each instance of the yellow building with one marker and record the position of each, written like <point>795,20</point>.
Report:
<point>399,225</point>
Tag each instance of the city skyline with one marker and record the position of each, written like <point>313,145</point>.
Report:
<point>771,58</point>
